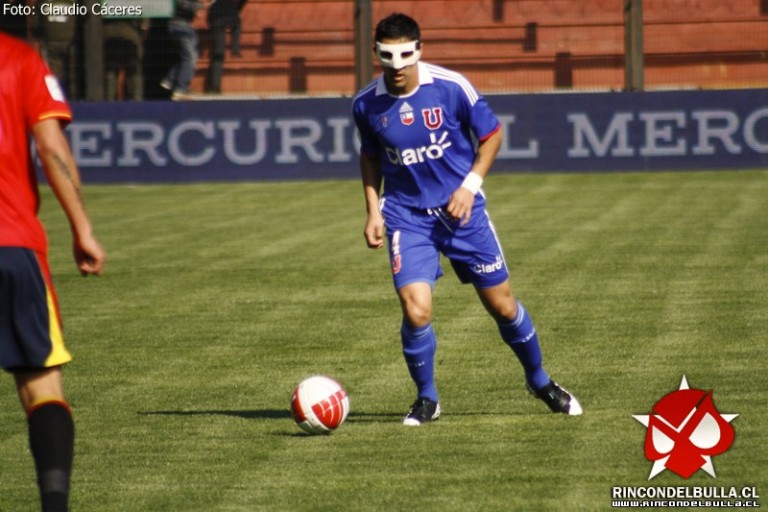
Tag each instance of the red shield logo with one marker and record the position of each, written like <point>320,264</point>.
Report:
<point>685,431</point>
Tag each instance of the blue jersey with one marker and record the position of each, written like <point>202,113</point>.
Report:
<point>427,140</point>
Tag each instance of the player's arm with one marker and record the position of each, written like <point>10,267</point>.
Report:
<point>370,170</point>
<point>64,179</point>
<point>461,201</point>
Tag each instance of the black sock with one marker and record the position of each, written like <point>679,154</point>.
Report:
<point>52,439</point>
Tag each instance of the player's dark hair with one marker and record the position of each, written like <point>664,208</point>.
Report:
<point>398,26</point>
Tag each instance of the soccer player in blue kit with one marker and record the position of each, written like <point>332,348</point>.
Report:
<point>431,139</point>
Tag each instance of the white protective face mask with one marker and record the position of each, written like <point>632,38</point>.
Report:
<point>399,55</point>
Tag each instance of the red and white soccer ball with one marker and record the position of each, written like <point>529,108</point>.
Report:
<point>319,405</point>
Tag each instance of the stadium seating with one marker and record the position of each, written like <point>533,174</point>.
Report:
<point>306,47</point>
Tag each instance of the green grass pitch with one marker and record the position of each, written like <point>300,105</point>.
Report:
<point>219,298</point>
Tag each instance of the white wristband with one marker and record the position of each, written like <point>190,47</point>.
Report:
<point>472,182</point>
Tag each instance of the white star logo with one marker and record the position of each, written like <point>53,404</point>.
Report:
<point>708,435</point>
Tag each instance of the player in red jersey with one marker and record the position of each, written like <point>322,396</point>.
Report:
<point>31,343</point>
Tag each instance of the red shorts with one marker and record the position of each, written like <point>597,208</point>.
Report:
<point>30,325</point>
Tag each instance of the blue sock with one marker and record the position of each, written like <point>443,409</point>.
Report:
<point>521,336</point>
<point>419,345</point>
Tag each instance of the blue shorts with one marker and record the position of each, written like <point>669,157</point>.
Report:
<point>30,327</point>
<point>418,237</point>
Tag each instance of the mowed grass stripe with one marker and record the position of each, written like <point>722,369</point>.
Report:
<point>219,298</point>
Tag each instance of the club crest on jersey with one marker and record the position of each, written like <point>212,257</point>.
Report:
<point>406,114</point>
<point>433,117</point>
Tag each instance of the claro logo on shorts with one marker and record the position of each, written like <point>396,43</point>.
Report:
<point>489,268</point>
<point>434,151</point>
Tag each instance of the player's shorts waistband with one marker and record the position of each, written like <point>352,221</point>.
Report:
<point>480,204</point>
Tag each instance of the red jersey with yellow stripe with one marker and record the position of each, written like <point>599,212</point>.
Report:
<point>29,93</point>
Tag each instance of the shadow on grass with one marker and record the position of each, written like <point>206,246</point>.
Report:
<point>258,414</point>
<point>274,414</point>
<point>358,418</point>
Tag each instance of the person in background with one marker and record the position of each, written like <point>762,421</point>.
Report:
<point>123,51</point>
<point>184,35</point>
<point>31,342</point>
<point>222,15</point>
<point>431,139</point>
<point>58,36</point>
<point>237,31</point>
<point>12,23</point>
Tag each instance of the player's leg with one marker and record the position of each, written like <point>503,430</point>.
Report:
<point>415,268</point>
<point>419,347</point>
<point>418,337</point>
<point>51,434</point>
<point>517,330</point>
<point>477,257</point>
<point>38,386</point>
<point>32,348</point>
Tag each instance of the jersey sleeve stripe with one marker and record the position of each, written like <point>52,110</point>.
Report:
<point>457,78</point>
<point>491,133</point>
<point>55,114</point>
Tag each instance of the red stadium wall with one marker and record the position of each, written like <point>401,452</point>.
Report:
<point>504,46</point>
